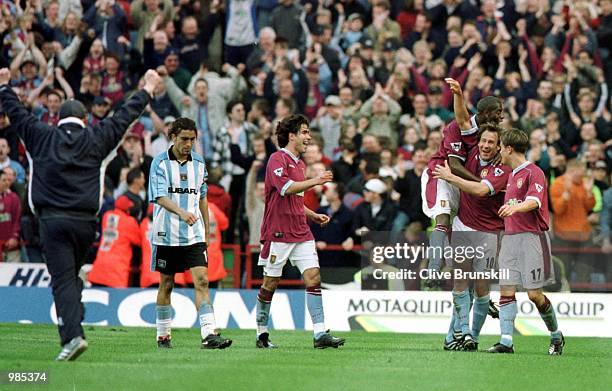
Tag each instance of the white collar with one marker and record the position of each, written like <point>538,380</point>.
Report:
<point>519,168</point>
<point>483,162</point>
<point>288,152</point>
<point>71,120</point>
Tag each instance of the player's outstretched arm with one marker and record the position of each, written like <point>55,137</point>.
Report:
<point>172,207</point>
<point>461,112</point>
<point>22,120</point>
<point>113,128</point>
<point>298,187</point>
<point>478,189</point>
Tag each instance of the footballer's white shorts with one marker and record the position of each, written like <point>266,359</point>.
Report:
<point>439,197</point>
<point>303,255</point>
<point>483,245</point>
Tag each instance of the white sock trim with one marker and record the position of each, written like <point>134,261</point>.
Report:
<point>207,324</point>
<point>163,327</point>
<point>318,328</point>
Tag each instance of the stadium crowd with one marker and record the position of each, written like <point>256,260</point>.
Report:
<point>368,75</point>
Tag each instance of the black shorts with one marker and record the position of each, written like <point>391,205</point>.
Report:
<point>176,259</point>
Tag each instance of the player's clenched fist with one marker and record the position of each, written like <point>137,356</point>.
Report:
<point>5,76</point>
<point>189,218</point>
<point>453,85</point>
<point>324,177</point>
<point>152,79</point>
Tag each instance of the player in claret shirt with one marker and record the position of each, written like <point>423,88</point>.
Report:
<point>525,247</point>
<point>476,225</point>
<point>285,233</point>
<point>459,137</point>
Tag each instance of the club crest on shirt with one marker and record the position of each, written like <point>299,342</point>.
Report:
<point>278,171</point>
<point>456,146</point>
<point>498,171</point>
<point>519,183</point>
<point>539,187</point>
<point>483,173</point>
<point>183,177</point>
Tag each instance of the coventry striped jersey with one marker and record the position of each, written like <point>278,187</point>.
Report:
<point>185,184</point>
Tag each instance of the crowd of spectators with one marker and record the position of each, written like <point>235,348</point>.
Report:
<point>368,74</point>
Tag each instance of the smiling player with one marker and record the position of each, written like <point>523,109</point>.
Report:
<point>525,247</point>
<point>285,233</point>
<point>477,224</point>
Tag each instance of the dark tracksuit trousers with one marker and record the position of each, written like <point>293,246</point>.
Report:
<point>66,240</point>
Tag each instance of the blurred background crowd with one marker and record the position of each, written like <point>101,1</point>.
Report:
<point>368,74</point>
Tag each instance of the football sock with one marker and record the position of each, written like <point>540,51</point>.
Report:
<point>437,241</point>
<point>207,319</point>
<point>507,314</point>
<point>547,313</point>
<point>163,320</point>
<point>462,306</point>
<point>314,301</point>
<point>454,326</point>
<point>481,308</point>
<point>264,300</point>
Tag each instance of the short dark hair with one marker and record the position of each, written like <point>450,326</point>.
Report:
<point>372,167</point>
<point>201,79</point>
<point>289,125</point>
<point>515,138</point>
<point>181,124</point>
<point>488,108</point>
<point>133,174</point>
<point>340,189</point>
<point>230,105</point>
<point>262,105</point>
<point>490,127</point>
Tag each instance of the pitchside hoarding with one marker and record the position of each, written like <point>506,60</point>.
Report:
<point>407,311</point>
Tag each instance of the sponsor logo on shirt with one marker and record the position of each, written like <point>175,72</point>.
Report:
<point>539,187</point>
<point>498,171</point>
<point>278,171</point>
<point>456,146</point>
<point>182,190</point>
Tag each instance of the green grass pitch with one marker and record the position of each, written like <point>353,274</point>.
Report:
<point>121,358</point>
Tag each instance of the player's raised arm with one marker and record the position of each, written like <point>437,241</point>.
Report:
<point>22,120</point>
<point>461,113</point>
<point>113,128</point>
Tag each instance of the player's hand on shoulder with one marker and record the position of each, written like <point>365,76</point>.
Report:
<point>324,177</point>
<point>442,172</point>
